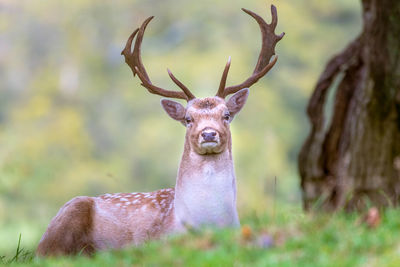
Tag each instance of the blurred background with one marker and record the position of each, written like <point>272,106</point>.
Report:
<point>74,121</point>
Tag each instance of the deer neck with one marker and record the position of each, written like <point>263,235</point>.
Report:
<point>205,192</point>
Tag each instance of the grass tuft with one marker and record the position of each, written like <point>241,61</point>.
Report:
<point>21,255</point>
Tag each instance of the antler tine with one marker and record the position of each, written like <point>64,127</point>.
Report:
<point>222,84</point>
<point>269,41</point>
<point>134,61</point>
<point>181,85</point>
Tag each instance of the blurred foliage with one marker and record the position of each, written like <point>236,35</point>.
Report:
<point>73,120</point>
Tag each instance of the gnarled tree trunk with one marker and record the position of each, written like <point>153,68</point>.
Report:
<point>353,158</point>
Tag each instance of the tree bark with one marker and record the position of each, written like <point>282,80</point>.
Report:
<point>353,158</point>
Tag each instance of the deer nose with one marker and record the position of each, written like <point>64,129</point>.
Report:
<point>209,135</point>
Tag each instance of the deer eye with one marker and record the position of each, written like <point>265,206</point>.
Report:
<point>188,120</point>
<point>227,116</point>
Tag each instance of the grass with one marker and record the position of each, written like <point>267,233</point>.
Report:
<point>21,255</point>
<point>288,238</point>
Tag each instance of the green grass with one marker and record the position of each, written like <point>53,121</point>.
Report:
<point>299,240</point>
<point>21,255</point>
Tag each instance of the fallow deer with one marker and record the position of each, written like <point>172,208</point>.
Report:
<point>205,190</point>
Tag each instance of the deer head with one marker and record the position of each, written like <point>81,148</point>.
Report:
<point>207,120</point>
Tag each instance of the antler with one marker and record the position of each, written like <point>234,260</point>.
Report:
<point>134,60</point>
<point>269,41</point>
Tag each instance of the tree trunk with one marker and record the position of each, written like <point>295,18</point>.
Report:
<point>353,158</point>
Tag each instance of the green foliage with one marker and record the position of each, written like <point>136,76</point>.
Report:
<point>299,240</point>
<point>73,120</point>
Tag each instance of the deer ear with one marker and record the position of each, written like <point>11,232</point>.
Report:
<point>174,109</point>
<point>237,101</point>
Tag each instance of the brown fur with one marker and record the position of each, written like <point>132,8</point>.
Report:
<point>70,231</point>
<point>208,103</point>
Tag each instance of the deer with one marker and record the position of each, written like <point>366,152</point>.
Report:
<point>205,191</point>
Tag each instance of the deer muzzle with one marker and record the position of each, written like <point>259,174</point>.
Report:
<point>209,138</point>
